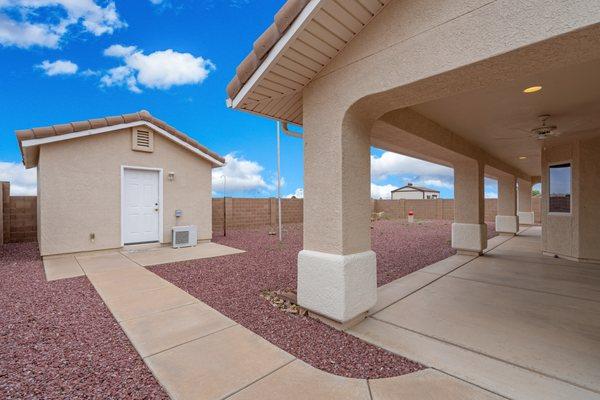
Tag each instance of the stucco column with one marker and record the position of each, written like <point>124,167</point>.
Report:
<point>337,269</point>
<point>507,221</point>
<point>469,232</point>
<point>524,212</point>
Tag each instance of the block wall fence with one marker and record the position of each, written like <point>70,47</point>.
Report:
<point>18,214</point>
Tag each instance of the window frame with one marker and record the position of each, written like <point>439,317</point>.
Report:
<point>549,167</point>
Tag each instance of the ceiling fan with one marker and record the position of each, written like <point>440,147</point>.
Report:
<point>542,132</point>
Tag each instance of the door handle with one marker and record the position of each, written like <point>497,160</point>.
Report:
<point>156,207</point>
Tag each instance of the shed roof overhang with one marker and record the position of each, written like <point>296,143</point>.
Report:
<point>30,140</point>
<point>305,37</point>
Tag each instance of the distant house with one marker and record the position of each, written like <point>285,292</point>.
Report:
<point>413,192</point>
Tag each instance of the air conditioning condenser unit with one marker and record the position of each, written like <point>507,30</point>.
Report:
<point>185,236</point>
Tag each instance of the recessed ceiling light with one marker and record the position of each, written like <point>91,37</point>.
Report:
<point>522,157</point>
<point>532,89</point>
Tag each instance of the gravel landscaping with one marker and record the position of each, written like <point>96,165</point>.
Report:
<point>59,341</point>
<point>233,285</point>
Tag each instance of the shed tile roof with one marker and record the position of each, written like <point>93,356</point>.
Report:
<point>78,126</point>
<point>283,19</point>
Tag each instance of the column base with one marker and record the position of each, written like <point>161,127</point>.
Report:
<point>507,224</point>
<point>526,217</point>
<point>469,238</point>
<point>335,286</point>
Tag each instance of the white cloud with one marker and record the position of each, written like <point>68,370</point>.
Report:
<point>490,187</point>
<point>242,176</point>
<point>158,70</point>
<point>381,191</point>
<point>23,182</point>
<point>408,169</point>
<point>156,1</point>
<point>58,67</point>
<point>393,164</point>
<point>27,23</point>
<point>299,194</point>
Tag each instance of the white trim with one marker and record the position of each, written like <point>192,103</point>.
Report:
<point>282,44</point>
<point>160,200</point>
<point>104,129</point>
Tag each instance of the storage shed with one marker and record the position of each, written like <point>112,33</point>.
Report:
<point>114,181</point>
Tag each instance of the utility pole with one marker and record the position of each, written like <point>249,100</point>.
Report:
<point>224,207</point>
<point>279,177</point>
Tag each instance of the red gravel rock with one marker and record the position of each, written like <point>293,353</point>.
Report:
<point>59,341</point>
<point>232,285</point>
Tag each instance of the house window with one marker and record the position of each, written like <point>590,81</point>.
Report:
<point>428,196</point>
<point>560,188</point>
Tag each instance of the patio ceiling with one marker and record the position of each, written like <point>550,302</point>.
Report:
<point>499,119</point>
<point>272,85</point>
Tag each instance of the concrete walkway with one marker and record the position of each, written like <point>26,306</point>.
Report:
<point>68,266</point>
<point>197,353</point>
<point>514,322</point>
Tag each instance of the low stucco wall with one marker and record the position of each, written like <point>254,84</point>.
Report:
<point>79,190</point>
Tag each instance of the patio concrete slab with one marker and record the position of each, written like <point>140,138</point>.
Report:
<point>427,384</point>
<point>217,365</point>
<point>575,281</point>
<point>495,242</point>
<point>392,292</point>
<point>300,381</point>
<point>515,322</point>
<point>164,255</point>
<point>495,375</point>
<point>551,334</point>
<point>104,262</point>
<point>448,264</point>
<point>62,267</point>
<point>161,331</point>
<point>141,303</point>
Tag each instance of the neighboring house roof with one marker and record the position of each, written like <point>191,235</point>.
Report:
<point>305,36</point>
<point>416,188</point>
<point>31,139</point>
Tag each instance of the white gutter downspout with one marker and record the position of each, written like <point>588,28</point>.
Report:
<point>286,131</point>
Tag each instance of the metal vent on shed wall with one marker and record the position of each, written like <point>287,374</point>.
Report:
<point>143,140</point>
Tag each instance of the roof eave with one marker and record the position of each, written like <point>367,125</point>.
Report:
<point>30,147</point>
<point>276,51</point>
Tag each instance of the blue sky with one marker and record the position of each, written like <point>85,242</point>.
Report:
<point>65,60</point>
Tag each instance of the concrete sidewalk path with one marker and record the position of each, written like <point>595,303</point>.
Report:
<point>70,265</point>
<point>197,353</point>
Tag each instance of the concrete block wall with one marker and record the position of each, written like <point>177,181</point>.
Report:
<point>23,219</point>
<point>18,216</point>
<point>252,212</point>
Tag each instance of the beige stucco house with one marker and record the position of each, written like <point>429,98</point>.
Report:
<point>108,182</point>
<point>466,84</point>
<point>413,192</point>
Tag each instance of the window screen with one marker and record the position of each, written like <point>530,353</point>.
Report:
<point>560,188</point>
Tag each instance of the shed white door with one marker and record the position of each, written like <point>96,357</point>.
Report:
<point>141,206</point>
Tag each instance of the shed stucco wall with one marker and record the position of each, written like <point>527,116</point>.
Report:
<point>80,190</point>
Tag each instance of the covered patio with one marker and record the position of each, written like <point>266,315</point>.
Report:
<point>515,322</point>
